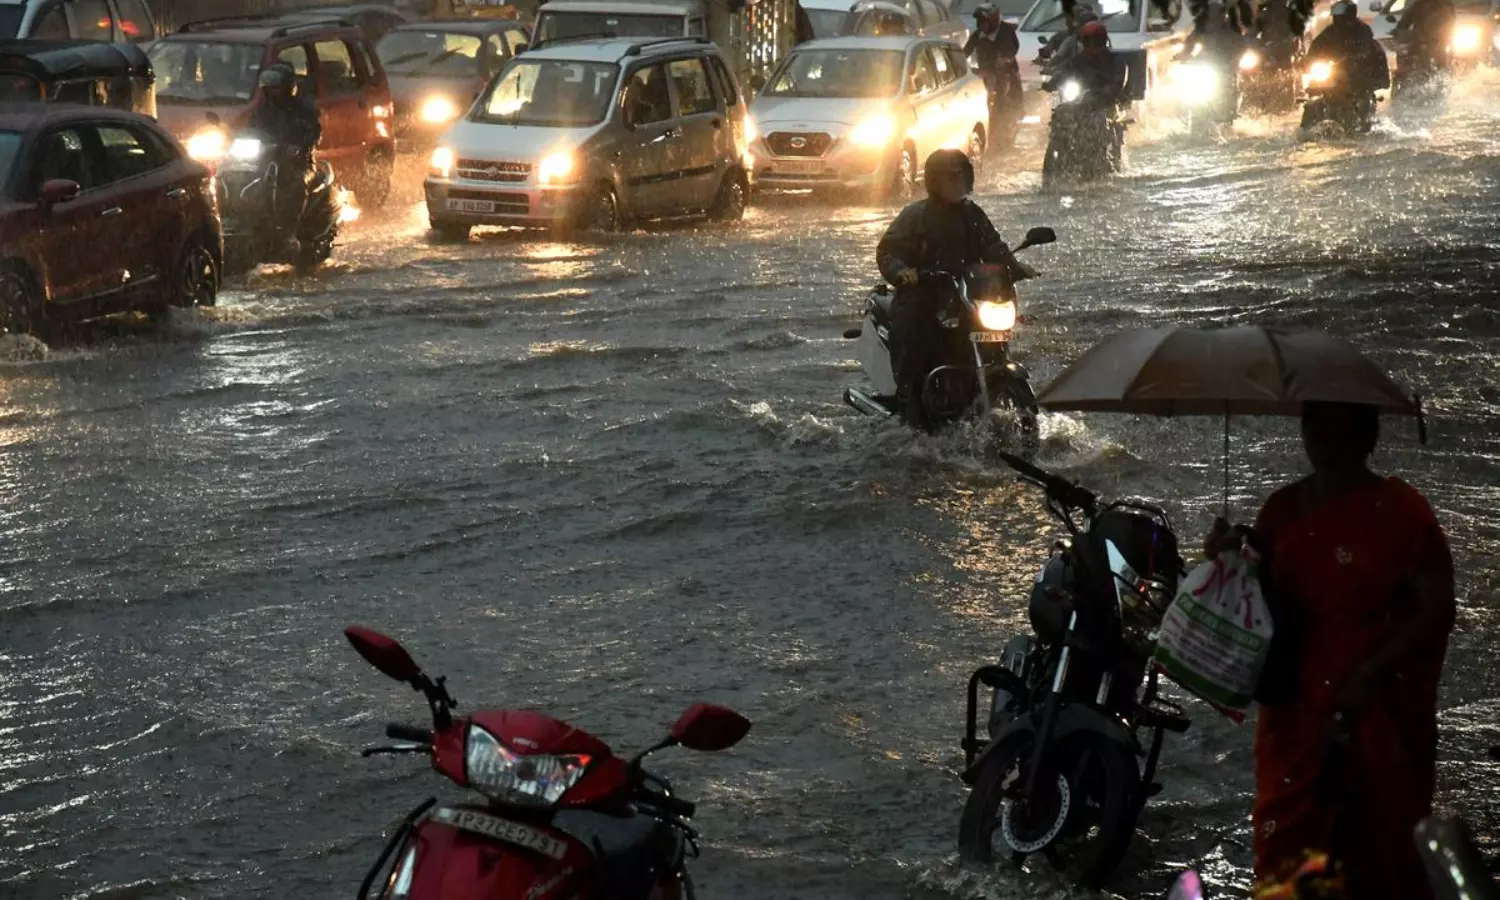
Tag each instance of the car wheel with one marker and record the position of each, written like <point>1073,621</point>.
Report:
<point>729,205</point>
<point>453,232</point>
<point>601,211</point>
<point>20,306</point>
<point>904,179</point>
<point>375,185</point>
<point>197,279</point>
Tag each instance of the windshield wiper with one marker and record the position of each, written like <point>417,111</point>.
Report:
<point>404,58</point>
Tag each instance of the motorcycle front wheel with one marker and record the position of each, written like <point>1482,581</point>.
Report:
<point>1080,818</point>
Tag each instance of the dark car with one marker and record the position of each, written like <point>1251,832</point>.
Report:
<point>88,20</point>
<point>101,212</point>
<point>437,69</point>
<point>84,72</point>
<point>373,19</point>
<point>214,67</point>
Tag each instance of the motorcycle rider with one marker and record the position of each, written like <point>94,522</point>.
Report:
<point>947,232</point>
<point>1356,55</point>
<point>993,47</point>
<point>1098,71</point>
<point>1062,46</point>
<point>291,121</point>
<point>1422,37</point>
<point>1215,39</point>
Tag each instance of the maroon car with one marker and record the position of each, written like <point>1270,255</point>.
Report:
<point>101,212</point>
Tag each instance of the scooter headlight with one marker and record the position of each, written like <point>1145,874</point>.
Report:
<point>207,144</point>
<point>508,777</point>
<point>246,149</point>
<point>997,315</point>
<point>1467,38</point>
<point>1071,90</point>
<point>1320,72</point>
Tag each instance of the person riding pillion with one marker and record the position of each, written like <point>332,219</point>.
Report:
<point>291,121</point>
<point>947,232</point>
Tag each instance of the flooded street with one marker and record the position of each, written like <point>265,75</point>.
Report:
<point>609,479</point>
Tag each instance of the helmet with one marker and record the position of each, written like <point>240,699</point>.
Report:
<point>277,76</point>
<point>1344,10</point>
<point>943,161</point>
<point>985,12</point>
<point>1094,37</point>
<point>1085,14</point>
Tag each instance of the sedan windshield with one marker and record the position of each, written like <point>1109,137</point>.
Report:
<point>204,72</point>
<point>550,92</point>
<point>1120,16</point>
<point>429,53</point>
<point>839,73</point>
<point>10,148</point>
<point>563,26</point>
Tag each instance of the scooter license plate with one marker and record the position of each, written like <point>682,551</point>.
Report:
<point>502,830</point>
<point>989,337</point>
<point>472,206</point>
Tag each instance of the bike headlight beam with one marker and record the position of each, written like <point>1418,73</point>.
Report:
<point>1320,72</point>
<point>1467,38</point>
<point>246,149</point>
<point>1071,90</point>
<point>536,781</point>
<point>1197,83</point>
<point>439,110</point>
<point>1249,61</point>
<point>207,144</point>
<point>997,315</point>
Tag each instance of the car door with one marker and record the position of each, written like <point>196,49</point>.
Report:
<point>648,111</point>
<point>342,102</point>
<point>954,129</point>
<point>971,101</point>
<point>932,124</point>
<point>704,139</point>
<point>81,239</point>
<point>137,177</point>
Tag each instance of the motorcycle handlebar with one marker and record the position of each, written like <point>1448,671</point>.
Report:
<point>1064,492</point>
<point>673,805</point>
<point>416,735</point>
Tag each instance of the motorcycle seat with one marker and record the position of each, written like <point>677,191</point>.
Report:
<point>631,849</point>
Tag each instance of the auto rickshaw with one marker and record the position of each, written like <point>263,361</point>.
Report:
<point>83,72</point>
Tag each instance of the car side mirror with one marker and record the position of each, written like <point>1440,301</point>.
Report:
<point>708,728</point>
<point>1042,39</point>
<point>59,190</point>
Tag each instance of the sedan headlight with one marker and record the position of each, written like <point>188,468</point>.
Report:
<point>1071,90</point>
<point>998,315</point>
<point>556,168</point>
<point>443,161</point>
<point>1320,72</point>
<point>207,145</point>
<point>246,149</point>
<point>874,131</point>
<point>507,777</point>
<point>1467,38</point>
<point>439,110</point>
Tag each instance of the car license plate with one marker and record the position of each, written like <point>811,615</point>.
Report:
<point>989,337</point>
<point>473,206</point>
<point>502,830</point>
<point>800,167</point>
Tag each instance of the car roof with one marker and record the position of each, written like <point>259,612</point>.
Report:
<point>622,7</point>
<point>894,42</point>
<point>614,50</point>
<point>461,26</point>
<point>34,116</point>
<point>256,31</point>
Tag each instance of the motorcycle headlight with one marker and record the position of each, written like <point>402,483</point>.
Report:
<point>556,168</point>
<point>207,145</point>
<point>1249,60</point>
<point>1196,83</point>
<point>1320,72</point>
<point>508,777</point>
<point>1467,38</point>
<point>875,131</point>
<point>439,110</point>
<point>246,149</point>
<point>1071,90</point>
<point>997,315</point>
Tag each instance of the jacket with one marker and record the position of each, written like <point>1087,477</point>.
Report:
<point>994,53</point>
<point>933,236</point>
<point>292,122</point>
<point>1352,45</point>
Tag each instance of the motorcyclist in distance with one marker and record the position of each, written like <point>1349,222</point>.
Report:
<point>291,121</point>
<point>1096,68</point>
<point>947,232</point>
<point>1422,37</point>
<point>1063,45</point>
<point>993,47</point>
<point>1215,39</point>
<point>1351,46</point>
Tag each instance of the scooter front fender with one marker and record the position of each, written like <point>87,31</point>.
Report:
<point>440,862</point>
<point>1072,719</point>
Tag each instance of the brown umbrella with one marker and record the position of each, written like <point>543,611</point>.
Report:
<point>1223,372</point>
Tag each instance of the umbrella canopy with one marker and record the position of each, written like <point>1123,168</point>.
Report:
<point>1222,372</point>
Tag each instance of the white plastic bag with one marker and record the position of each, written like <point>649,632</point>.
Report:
<point>1216,633</point>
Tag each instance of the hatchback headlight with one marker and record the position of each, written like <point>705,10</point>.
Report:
<point>557,168</point>
<point>207,144</point>
<point>998,315</point>
<point>507,777</point>
<point>443,161</point>
<point>246,149</point>
<point>874,131</point>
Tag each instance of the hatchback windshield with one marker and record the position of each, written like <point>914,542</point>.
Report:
<point>550,92</point>
<point>10,20</point>
<point>561,26</point>
<point>429,53</point>
<point>10,147</point>
<point>839,73</point>
<point>1117,16</point>
<point>203,72</point>
<point>826,22</point>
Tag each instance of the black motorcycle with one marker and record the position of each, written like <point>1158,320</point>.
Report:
<point>1331,96</point>
<point>1063,771</point>
<point>975,374</point>
<point>248,181</point>
<point>1086,137</point>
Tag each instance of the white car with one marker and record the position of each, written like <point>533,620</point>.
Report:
<point>928,18</point>
<point>864,113</point>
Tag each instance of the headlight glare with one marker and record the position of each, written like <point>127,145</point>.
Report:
<point>1320,72</point>
<point>1071,90</point>
<point>246,149</point>
<point>207,145</point>
<point>443,161</point>
<point>439,110</point>
<point>507,777</point>
<point>997,315</point>
<point>1197,83</point>
<point>874,131</point>
<point>1467,38</point>
<point>556,168</point>
<point>1249,60</point>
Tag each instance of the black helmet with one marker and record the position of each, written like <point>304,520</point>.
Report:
<point>279,75</point>
<point>946,161</point>
<point>985,12</point>
<point>1344,10</point>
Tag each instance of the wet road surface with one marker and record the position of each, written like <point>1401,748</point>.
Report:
<point>608,479</point>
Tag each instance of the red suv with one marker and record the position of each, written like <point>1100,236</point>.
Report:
<point>214,67</point>
<point>100,212</point>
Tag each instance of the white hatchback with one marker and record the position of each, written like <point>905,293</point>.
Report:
<point>864,113</point>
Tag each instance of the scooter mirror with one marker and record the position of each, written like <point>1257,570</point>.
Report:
<point>708,728</point>
<point>1038,236</point>
<point>1188,887</point>
<point>383,653</point>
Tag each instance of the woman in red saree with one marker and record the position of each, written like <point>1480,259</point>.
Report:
<point>1347,763</point>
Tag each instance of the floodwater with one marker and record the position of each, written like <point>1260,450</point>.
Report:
<point>609,479</point>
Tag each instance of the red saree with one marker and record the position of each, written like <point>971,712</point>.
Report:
<point>1347,564</point>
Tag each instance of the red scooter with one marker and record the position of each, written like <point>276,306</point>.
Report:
<point>564,817</point>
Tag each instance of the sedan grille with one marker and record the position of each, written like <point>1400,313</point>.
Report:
<point>483,170</point>
<point>789,143</point>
